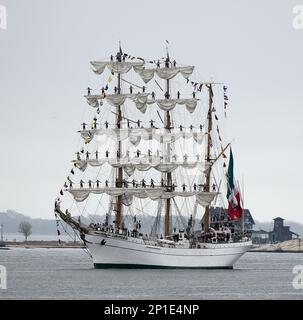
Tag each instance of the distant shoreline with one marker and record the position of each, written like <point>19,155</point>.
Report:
<point>290,246</point>
<point>44,244</point>
<point>275,251</point>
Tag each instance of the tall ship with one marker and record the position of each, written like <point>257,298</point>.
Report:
<point>151,162</point>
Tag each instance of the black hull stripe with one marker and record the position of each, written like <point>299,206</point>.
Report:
<point>145,266</point>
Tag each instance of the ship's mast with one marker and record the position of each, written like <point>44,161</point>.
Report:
<point>119,180</point>
<point>168,174</point>
<point>208,153</point>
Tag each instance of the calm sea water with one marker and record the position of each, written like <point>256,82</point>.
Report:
<point>68,274</point>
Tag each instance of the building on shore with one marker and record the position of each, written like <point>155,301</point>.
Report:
<point>219,216</point>
<point>260,237</point>
<point>280,232</point>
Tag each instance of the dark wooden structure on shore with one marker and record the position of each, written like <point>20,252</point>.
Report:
<point>280,232</point>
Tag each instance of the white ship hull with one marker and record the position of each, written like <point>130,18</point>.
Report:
<point>134,253</point>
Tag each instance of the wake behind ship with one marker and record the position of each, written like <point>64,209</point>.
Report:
<point>152,161</point>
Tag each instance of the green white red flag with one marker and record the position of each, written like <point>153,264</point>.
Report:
<point>233,193</point>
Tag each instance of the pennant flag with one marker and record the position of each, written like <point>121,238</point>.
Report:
<point>216,117</point>
<point>233,194</point>
<point>61,192</point>
<point>65,185</point>
<point>187,80</point>
<point>82,150</point>
<point>224,165</point>
<point>72,171</point>
<point>225,97</point>
<point>224,88</point>
<point>58,232</point>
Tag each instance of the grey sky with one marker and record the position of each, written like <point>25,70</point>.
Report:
<point>250,45</point>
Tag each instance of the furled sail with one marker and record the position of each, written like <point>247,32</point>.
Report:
<point>203,198</point>
<point>136,134</point>
<point>122,67</point>
<point>141,164</point>
<point>115,66</point>
<point>164,73</point>
<point>141,101</point>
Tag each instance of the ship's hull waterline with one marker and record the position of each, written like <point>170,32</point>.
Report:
<point>111,252</point>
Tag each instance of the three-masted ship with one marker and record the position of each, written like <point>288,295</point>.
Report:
<point>152,180</point>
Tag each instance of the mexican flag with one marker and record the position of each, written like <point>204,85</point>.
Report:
<point>233,194</point>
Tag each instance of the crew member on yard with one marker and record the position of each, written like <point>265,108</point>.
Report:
<point>152,183</point>
<point>95,123</point>
<point>98,183</point>
<point>143,183</point>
